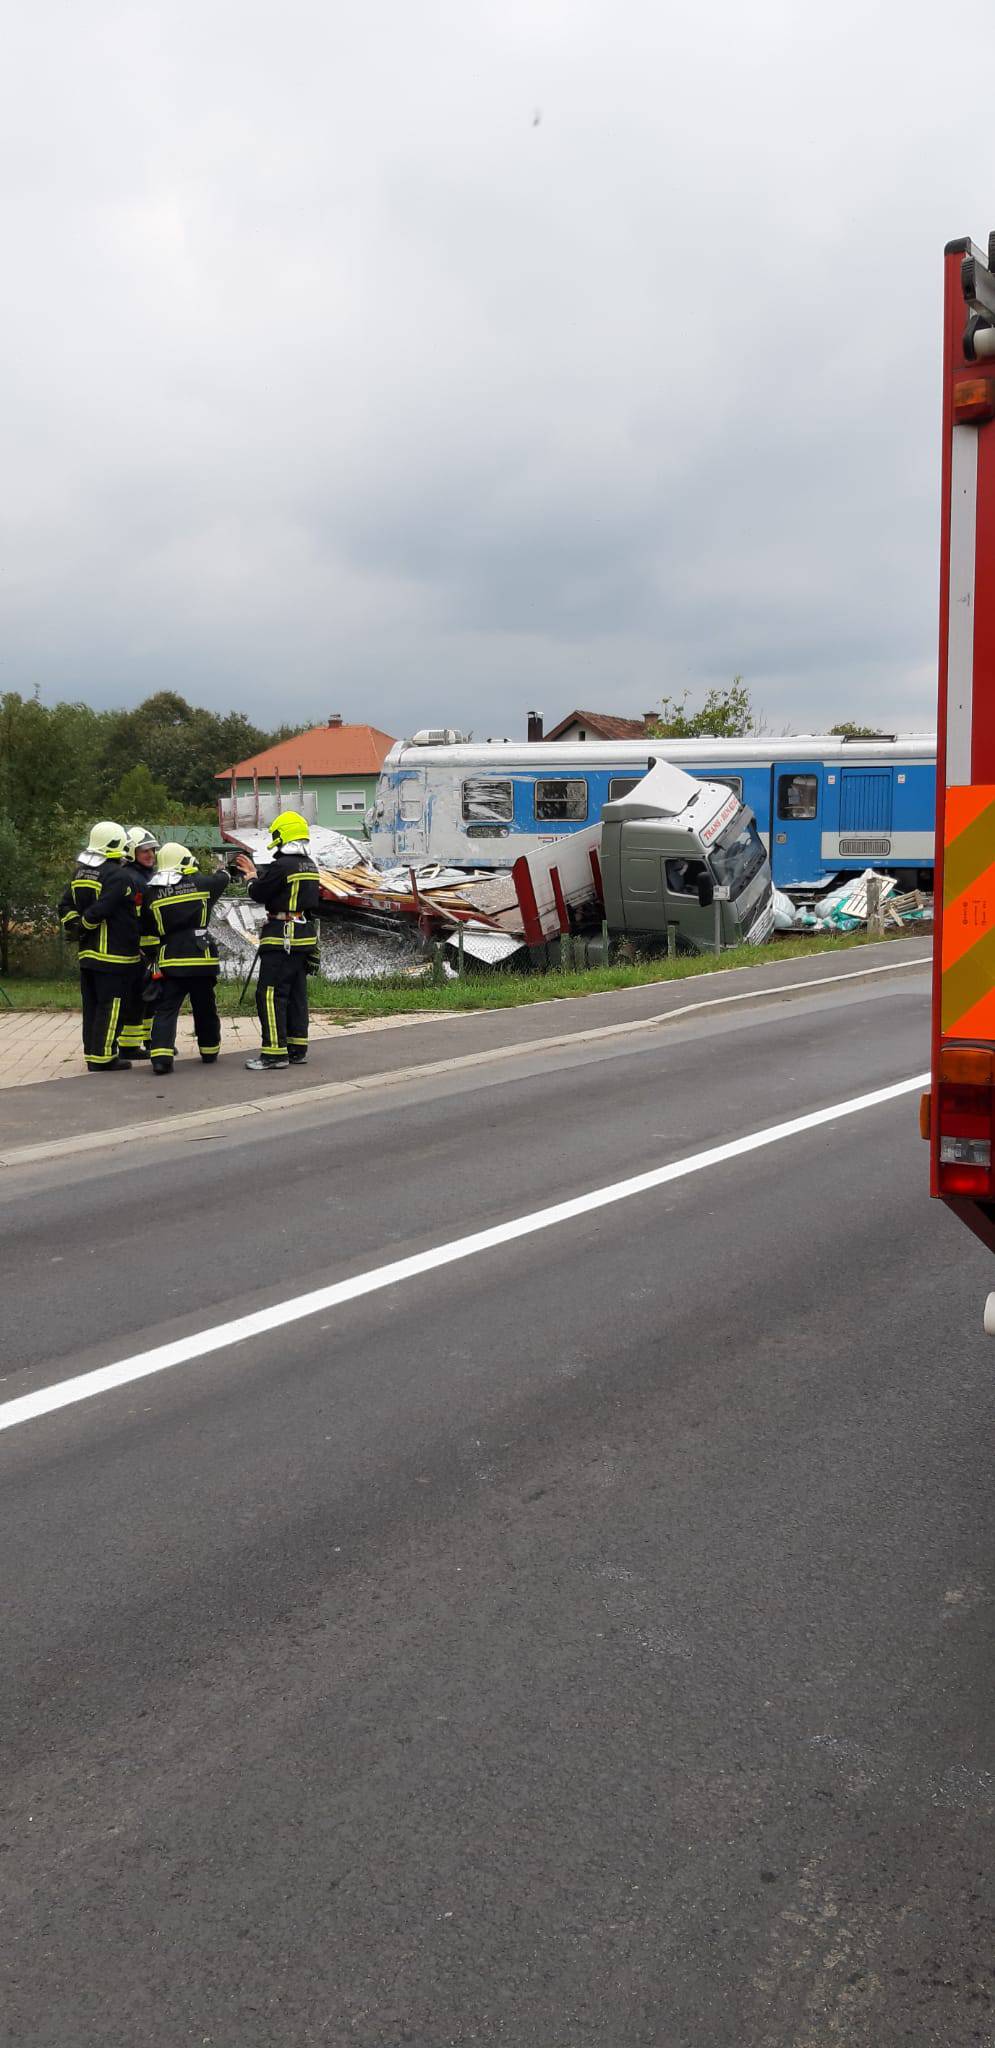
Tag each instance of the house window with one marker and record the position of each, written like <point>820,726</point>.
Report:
<point>350,800</point>
<point>489,800</point>
<point>562,802</point>
<point>797,796</point>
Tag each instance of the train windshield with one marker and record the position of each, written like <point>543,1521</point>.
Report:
<point>738,856</point>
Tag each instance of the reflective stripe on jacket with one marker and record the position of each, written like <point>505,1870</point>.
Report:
<point>98,908</point>
<point>288,891</point>
<point>176,916</point>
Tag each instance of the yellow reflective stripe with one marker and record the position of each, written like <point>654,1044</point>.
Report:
<point>271,1044</point>
<point>112,1022</point>
<point>111,959</point>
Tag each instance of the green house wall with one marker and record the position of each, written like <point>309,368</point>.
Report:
<point>328,788</point>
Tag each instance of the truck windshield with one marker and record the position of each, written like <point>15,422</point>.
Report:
<point>738,856</point>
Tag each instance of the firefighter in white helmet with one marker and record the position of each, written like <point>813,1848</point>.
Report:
<point>287,888</point>
<point>177,910</point>
<point>98,910</point>
<point>141,847</point>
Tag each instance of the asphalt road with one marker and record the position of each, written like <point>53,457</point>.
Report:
<point>587,1641</point>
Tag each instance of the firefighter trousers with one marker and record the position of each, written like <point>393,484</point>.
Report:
<point>103,992</point>
<point>169,1002</point>
<point>281,1004</point>
<point>136,1020</point>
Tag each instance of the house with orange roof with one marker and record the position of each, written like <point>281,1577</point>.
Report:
<point>337,764</point>
<point>597,725</point>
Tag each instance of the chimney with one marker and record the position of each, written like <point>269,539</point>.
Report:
<point>535,726</point>
<point>335,718</point>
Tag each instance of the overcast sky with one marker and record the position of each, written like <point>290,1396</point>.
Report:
<point>431,361</point>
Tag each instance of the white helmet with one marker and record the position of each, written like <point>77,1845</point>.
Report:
<point>108,839</point>
<point>138,839</point>
<point>174,858</point>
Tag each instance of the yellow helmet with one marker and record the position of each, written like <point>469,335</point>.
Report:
<point>288,828</point>
<point>108,839</point>
<point>173,856</point>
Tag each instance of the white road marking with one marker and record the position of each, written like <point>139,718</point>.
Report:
<point>28,1407</point>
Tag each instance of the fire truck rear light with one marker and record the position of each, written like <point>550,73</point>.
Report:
<point>963,1112</point>
<point>974,399</point>
<point>968,1066</point>
<point>924,1102</point>
<point>965,1152</point>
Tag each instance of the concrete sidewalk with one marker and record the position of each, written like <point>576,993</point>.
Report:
<point>44,1045</point>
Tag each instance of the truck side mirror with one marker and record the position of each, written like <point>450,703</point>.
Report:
<point>706,890</point>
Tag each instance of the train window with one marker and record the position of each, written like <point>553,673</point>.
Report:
<point>797,796</point>
<point>488,799</point>
<point>620,785</point>
<point>733,782</point>
<point>562,801</point>
<point>411,800</point>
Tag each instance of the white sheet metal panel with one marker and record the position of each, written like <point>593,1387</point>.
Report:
<point>960,625</point>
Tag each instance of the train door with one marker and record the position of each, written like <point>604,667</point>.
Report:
<point>866,797</point>
<point>411,825</point>
<point>796,850</point>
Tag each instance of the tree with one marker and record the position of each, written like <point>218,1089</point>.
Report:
<point>138,798</point>
<point>183,746</point>
<point>33,873</point>
<point>725,714</point>
<point>848,731</point>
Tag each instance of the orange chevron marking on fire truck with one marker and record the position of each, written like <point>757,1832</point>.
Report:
<point>968,956</point>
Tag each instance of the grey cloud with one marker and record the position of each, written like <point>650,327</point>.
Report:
<point>331,382</point>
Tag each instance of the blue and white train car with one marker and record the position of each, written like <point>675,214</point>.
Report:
<point>824,807</point>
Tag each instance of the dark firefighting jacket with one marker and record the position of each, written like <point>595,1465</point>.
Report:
<point>142,880</point>
<point>98,909</point>
<point>175,936</point>
<point>288,892</point>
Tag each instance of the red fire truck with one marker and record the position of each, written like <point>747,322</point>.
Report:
<point>958,1116</point>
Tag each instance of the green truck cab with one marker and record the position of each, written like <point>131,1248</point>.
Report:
<point>686,856</point>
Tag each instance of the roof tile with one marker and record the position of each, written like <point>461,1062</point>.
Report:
<point>325,750</point>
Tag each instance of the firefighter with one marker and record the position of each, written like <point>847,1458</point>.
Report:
<point>141,847</point>
<point>288,943</point>
<point>98,910</point>
<point>179,904</point>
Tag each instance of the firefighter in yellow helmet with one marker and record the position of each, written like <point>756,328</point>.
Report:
<point>177,910</point>
<point>98,910</point>
<point>287,888</point>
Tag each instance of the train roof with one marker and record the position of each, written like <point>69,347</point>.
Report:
<point>560,754</point>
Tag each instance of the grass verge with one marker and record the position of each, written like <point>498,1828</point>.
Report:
<point>400,995</point>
